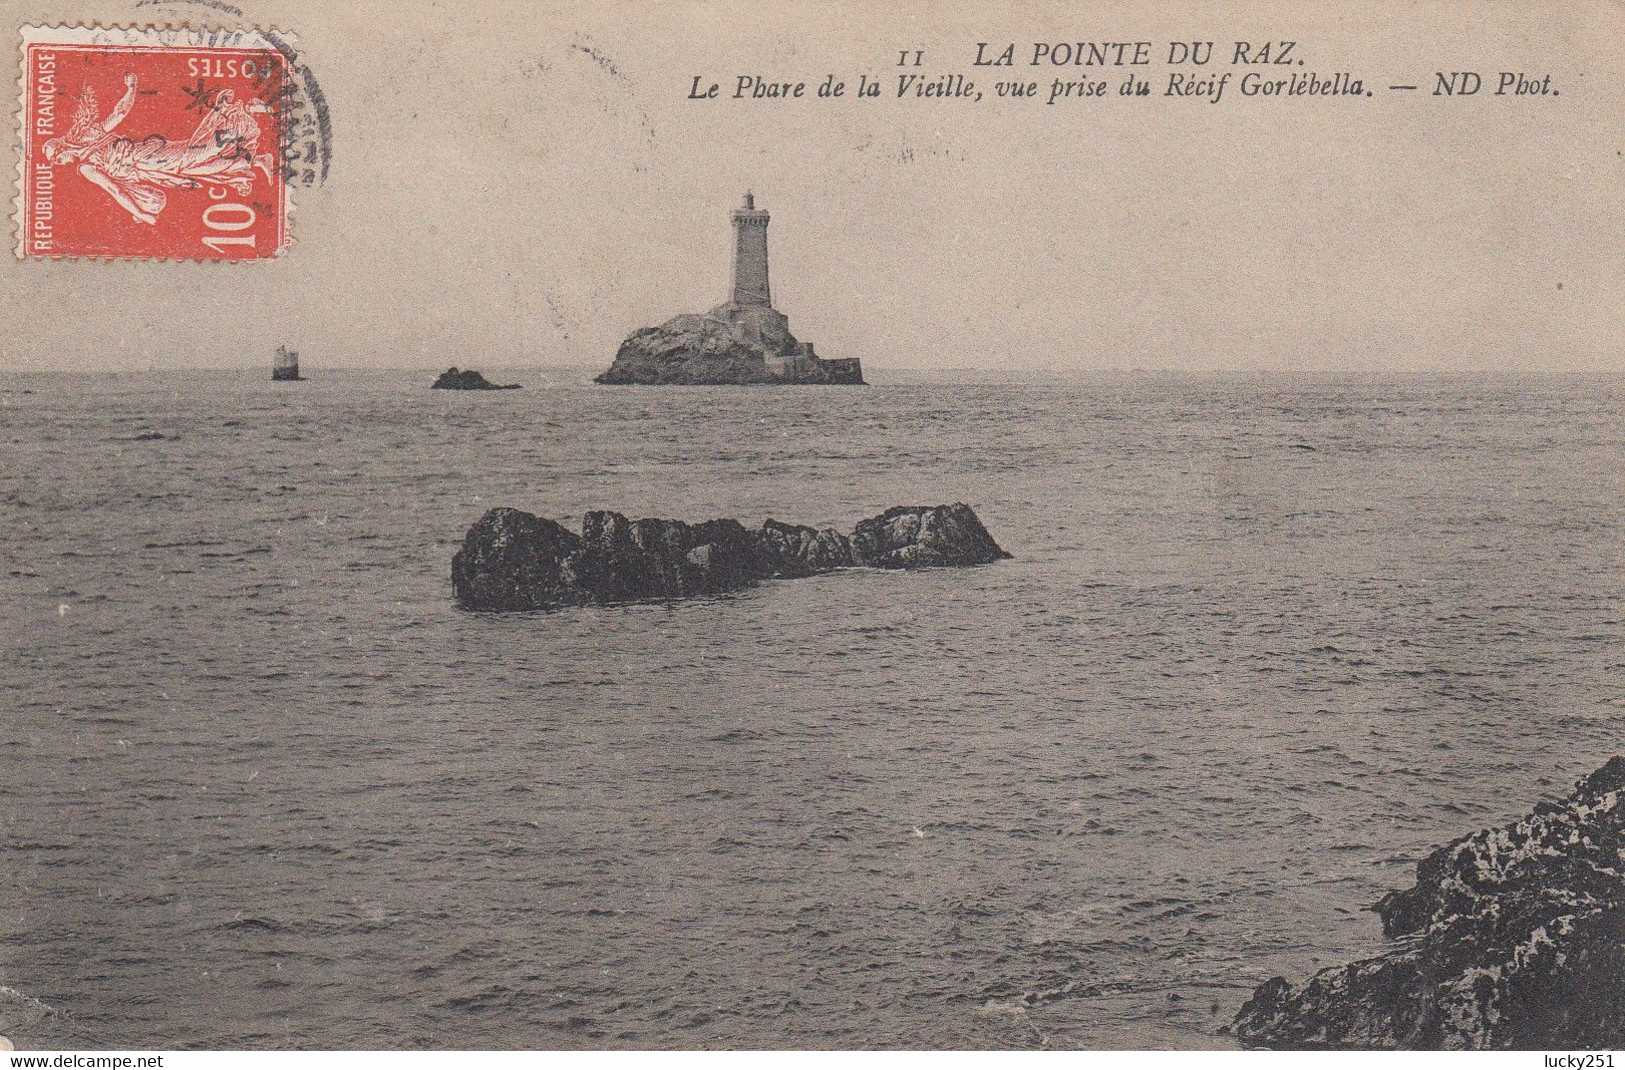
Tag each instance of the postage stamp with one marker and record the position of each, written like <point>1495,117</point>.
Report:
<point>153,142</point>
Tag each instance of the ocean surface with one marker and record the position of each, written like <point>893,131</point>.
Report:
<point>1264,642</point>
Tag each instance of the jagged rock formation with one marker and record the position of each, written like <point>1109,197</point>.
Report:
<point>797,550</point>
<point>452,379</point>
<point>913,536</point>
<point>1513,937</point>
<point>712,350</point>
<point>687,350</point>
<point>512,560</point>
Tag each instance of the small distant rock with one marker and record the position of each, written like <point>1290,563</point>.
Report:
<point>1512,938</point>
<point>452,379</point>
<point>512,560</point>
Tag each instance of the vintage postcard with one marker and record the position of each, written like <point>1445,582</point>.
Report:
<point>814,527</point>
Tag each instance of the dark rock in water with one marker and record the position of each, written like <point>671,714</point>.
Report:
<point>797,550</point>
<point>1512,938</point>
<point>687,350</point>
<point>713,350</point>
<point>452,379</point>
<point>511,560</point>
<point>625,560</point>
<point>919,536</point>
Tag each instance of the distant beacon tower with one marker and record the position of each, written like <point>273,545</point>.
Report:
<point>750,256</point>
<point>285,365</point>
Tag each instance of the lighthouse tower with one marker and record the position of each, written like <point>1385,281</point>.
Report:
<point>749,307</point>
<point>751,318</point>
<point>750,256</point>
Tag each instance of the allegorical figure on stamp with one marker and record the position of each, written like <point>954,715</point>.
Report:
<point>222,152</point>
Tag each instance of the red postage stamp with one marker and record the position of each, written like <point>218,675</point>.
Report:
<point>152,142</point>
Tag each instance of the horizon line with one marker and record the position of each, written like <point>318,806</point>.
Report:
<point>1045,370</point>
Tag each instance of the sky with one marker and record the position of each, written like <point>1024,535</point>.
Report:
<point>517,185</point>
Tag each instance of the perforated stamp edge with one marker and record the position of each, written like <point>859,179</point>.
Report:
<point>150,35</point>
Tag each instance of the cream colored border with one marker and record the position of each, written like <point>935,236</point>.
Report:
<point>169,35</point>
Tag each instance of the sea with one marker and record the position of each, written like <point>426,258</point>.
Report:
<point>1264,642</point>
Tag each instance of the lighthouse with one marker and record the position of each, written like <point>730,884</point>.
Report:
<point>750,287</point>
<point>743,340</point>
<point>750,302</point>
<point>285,366</point>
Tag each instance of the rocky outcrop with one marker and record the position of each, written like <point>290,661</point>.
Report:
<point>687,351</point>
<point>1513,937</point>
<point>512,560</point>
<point>915,536</point>
<point>711,350</point>
<point>797,550</point>
<point>452,379</point>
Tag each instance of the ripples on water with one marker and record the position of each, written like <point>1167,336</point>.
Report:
<point>1263,643</point>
